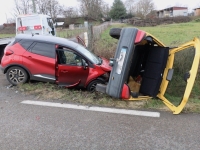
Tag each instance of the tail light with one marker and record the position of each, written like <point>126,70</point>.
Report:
<point>23,28</point>
<point>8,52</point>
<point>140,36</point>
<point>125,92</point>
<point>37,27</point>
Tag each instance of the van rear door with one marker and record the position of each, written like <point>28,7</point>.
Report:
<point>29,25</point>
<point>182,69</point>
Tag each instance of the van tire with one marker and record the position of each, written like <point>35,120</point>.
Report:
<point>115,32</point>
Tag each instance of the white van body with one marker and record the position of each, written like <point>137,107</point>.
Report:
<point>35,24</point>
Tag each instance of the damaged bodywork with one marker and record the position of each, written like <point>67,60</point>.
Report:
<point>143,68</point>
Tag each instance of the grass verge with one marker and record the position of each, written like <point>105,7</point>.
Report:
<point>7,35</point>
<point>46,91</point>
<point>175,34</point>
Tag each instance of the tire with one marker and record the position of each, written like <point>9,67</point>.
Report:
<point>92,85</point>
<point>16,75</point>
<point>101,88</point>
<point>115,32</point>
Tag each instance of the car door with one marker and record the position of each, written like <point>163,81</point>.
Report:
<point>70,69</point>
<point>187,74</point>
<point>40,61</point>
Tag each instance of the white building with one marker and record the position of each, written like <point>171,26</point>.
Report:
<point>172,12</point>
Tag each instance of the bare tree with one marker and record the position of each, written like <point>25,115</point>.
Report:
<point>70,12</point>
<point>54,9</point>
<point>11,20</point>
<point>82,9</point>
<point>42,6</point>
<point>48,7</point>
<point>105,10</point>
<point>92,8</point>
<point>144,7</point>
<point>22,7</point>
<point>129,5</point>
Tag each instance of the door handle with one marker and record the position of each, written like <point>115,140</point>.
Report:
<point>29,57</point>
<point>64,71</point>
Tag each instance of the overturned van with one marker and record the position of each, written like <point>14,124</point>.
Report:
<point>143,68</point>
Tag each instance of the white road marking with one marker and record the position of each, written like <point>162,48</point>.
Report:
<point>98,109</point>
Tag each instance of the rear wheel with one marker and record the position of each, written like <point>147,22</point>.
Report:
<point>16,75</point>
<point>115,32</point>
<point>92,85</point>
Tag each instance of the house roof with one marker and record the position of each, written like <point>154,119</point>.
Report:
<point>173,8</point>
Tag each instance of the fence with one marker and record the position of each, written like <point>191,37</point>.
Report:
<point>97,30</point>
<point>93,32</point>
<point>70,33</point>
<point>77,31</point>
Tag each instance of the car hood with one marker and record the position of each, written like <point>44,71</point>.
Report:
<point>105,65</point>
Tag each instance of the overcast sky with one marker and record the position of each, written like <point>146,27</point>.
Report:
<point>7,5</point>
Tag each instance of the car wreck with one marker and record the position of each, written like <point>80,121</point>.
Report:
<point>143,68</point>
<point>53,59</point>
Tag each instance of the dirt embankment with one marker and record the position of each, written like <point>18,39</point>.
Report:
<point>158,21</point>
<point>7,30</point>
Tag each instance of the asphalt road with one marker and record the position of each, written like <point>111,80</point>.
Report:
<point>45,128</point>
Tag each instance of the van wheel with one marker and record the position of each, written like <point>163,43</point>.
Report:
<point>92,85</point>
<point>115,32</point>
<point>16,75</point>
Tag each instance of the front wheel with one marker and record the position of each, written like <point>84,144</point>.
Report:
<point>16,75</point>
<point>92,85</point>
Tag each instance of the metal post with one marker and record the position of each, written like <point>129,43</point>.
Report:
<point>90,37</point>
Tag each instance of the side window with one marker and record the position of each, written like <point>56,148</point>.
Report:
<point>69,58</point>
<point>50,22</point>
<point>182,65</point>
<point>25,44</point>
<point>44,49</point>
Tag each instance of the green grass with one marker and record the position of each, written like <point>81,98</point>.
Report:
<point>106,45</point>
<point>6,35</point>
<point>175,34</point>
<point>171,35</point>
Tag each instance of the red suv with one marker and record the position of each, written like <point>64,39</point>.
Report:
<point>53,59</point>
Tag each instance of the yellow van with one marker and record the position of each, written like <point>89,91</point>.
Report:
<point>142,68</point>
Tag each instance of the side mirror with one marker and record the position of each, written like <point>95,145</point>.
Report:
<point>112,61</point>
<point>53,32</point>
<point>85,65</point>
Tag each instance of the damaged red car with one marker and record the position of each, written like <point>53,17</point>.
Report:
<point>55,60</point>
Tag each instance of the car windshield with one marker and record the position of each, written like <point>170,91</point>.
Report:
<point>92,57</point>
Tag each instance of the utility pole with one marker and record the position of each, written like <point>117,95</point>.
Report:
<point>34,7</point>
<point>6,18</point>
